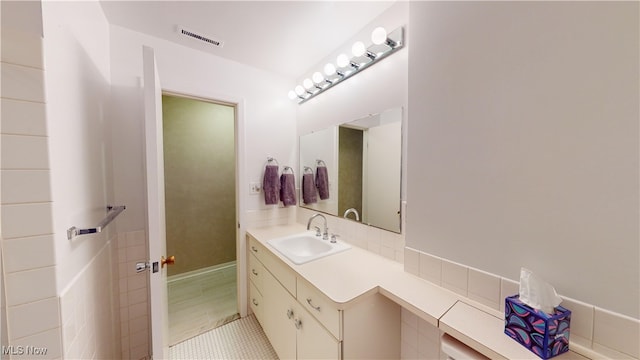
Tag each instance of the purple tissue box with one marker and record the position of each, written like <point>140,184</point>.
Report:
<point>546,335</point>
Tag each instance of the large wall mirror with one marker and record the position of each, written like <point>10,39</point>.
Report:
<point>363,163</point>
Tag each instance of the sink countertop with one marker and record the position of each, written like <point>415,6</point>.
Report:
<point>347,276</point>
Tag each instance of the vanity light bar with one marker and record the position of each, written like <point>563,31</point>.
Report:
<point>383,45</point>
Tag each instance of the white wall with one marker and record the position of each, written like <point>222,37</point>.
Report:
<point>523,149</point>
<point>77,78</point>
<point>266,127</point>
<point>266,114</point>
<point>381,87</point>
<point>30,313</point>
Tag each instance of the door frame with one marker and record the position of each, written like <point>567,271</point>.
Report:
<point>238,105</point>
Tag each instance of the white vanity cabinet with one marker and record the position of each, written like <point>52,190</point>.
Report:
<point>292,331</point>
<point>301,322</point>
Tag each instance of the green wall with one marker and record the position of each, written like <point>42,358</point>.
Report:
<point>200,197</point>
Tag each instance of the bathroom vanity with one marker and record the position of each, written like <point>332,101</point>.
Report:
<point>302,322</point>
<point>348,305</point>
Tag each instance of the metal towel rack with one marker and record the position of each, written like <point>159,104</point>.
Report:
<point>112,213</point>
<point>272,161</point>
<point>287,168</point>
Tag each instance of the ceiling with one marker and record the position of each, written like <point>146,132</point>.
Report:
<point>285,37</point>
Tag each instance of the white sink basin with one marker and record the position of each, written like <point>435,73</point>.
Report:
<point>305,247</point>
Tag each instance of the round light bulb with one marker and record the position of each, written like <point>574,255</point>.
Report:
<point>317,77</point>
<point>307,83</point>
<point>379,35</point>
<point>329,69</point>
<point>292,94</point>
<point>342,60</point>
<point>358,49</point>
<point>299,90</point>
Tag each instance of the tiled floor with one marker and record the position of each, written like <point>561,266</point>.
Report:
<point>201,302</point>
<point>240,339</point>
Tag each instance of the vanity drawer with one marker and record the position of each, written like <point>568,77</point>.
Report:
<point>271,263</point>
<point>320,307</point>
<point>256,272</point>
<point>255,302</point>
<point>255,247</point>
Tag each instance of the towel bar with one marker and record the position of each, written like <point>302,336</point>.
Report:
<point>112,212</point>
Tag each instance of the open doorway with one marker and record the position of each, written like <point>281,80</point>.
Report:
<point>200,200</point>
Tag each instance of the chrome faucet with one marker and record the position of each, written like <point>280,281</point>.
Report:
<point>352,211</point>
<point>325,233</point>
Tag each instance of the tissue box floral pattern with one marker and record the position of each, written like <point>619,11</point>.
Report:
<point>546,335</point>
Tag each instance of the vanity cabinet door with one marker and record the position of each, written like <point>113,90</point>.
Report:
<point>279,313</point>
<point>314,341</point>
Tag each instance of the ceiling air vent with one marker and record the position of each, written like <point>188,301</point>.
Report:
<point>193,34</point>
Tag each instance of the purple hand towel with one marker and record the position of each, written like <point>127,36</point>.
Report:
<point>288,189</point>
<point>309,189</point>
<point>322,182</point>
<point>271,185</point>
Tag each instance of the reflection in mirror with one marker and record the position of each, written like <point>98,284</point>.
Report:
<point>363,159</point>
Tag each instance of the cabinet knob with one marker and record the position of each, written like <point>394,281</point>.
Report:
<point>254,272</point>
<point>255,302</point>
<point>289,313</point>
<point>253,248</point>
<point>298,323</point>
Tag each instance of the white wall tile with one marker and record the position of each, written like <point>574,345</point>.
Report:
<point>409,334</point>
<point>135,238</point>
<point>30,285</point>
<point>507,288</point>
<point>32,318</point>
<point>430,268</point>
<point>49,340</point>
<point>28,253</point>
<point>136,253</point>
<point>616,332</point>
<point>139,338</point>
<point>454,277</point>
<point>24,48</point>
<point>374,239</point>
<point>20,152</point>
<point>137,281</point>
<point>137,324</point>
<point>139,352</point>
<point>411,261</point>
<point>25,186</point>
<point>138,296</point>
<point>24,220</point>
<point>581,321</point>
<point>22,83</point>
<point>23,117</point>
<point>484,288</point>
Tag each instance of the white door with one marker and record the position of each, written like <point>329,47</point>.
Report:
<point>155,206</point>
<point>384,153</point>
